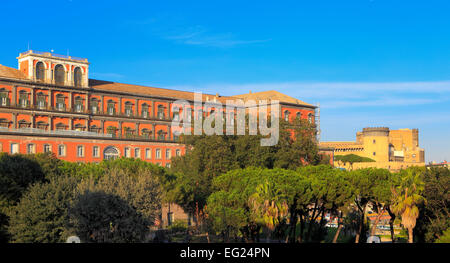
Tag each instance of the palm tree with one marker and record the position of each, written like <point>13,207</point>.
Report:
<point>407,198</point>
<point>267,205</point>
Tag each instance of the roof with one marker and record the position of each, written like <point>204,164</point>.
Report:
<point>272,95</point>
<point>152,91</point>
<point>340,144</point>
<point>11,73</point>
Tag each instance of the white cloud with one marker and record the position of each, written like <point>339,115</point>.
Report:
<point>344,94</point>
<point>200,36</point>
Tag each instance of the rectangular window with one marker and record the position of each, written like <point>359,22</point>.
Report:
<point>127,152</point>
<point>178,152</point>
<point>137,153</point>
<point>168,154</point>
<point>95,151</point>
<point>47,148</point>
<point>145,113</point>
<point>4,98</point>
<point>158,153</point>
<point>148,153</point>
<point>111,109</point>
<point>167,165</point>
<point>14,148</point>
<point>30,148</point>
<point>80,151</point>
<point>61,150</point>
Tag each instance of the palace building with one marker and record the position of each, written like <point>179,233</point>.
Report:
<point>49,104</point>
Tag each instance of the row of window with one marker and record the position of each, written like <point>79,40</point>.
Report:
<point>298,116</point>
<point>60,105</point>
<point>62,151</point>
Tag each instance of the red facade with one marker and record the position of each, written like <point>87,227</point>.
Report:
<point>46,107</point>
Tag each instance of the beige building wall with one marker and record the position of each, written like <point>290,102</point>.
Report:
<point>391,166</point>
<point>376,143</point>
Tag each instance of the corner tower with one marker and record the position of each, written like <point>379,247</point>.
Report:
<point>49,68</point>
<point>376,143</point>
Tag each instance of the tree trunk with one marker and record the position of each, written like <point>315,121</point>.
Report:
<point>312,220</point>
<point>293,226</point>
<point>302,228</point>
<point>337,233</point>
<point>375,223</point>
<point>340,226</point>
<point>410,235</point>
<point>391,223</point>
<point>361,225</point>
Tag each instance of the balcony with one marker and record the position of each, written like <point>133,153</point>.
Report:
<point>78,108</point>
<point>53,132</point>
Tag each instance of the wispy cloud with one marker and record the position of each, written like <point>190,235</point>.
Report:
<point>200,36</point>
<point>346,95</point>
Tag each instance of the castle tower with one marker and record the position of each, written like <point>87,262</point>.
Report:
<point>376,143</point>
<point>49,68</point>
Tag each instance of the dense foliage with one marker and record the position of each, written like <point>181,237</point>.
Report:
<point>49,200</point>
<point>210,156</point>
<point>240,190</point>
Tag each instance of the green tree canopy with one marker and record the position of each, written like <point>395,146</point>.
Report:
<point>41,214</point>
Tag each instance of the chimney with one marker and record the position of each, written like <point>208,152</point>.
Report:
<point>250,92</point>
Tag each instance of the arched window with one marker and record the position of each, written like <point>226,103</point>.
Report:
<point>77,77</point>
<point>310,118</point>
<point>40,71</point>
<point>111,107</point>
<point>299,115</point>
<point>128,108</point>
<point>60,75</point>
<point>144,110</point>
<point>4,98</point>
<point>110,153</point>
<point>286,115</point>
<point>161,112</point>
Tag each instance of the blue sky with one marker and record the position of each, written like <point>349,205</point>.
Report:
<point>367,62</point>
